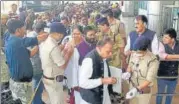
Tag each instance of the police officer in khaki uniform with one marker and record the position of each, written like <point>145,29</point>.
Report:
<point>54,61</point>
<point>118,46</point>
<point>141,72</point>
<point>116,26</point>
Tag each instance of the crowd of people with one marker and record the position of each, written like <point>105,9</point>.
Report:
<point>79,43</point>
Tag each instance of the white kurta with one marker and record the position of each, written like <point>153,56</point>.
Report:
<point>71,72</point>
<point>106,97</point>
<point>86,71</point>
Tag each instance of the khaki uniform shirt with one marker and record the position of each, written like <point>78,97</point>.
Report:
<point>118,42</point>
<point>144,68</point>
<point>51,58</point>
<point>118,28</point>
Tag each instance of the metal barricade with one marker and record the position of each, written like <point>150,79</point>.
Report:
<point>163,94</point>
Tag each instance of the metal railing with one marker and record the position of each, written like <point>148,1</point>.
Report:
<point>163,94</point>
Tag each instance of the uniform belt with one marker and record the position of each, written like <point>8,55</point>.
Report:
<point>58,78</point>
<point>50,78</point>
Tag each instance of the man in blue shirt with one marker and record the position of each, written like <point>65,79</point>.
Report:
<point>18,59</point>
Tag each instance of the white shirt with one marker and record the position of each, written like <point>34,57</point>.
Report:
<point>106,97</point>
<point>154,45</point>
<point>32,34</point>
<point>85,73</point>
<point>51,58</point>
<point>72,70</point>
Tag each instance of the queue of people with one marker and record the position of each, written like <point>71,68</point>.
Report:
<point>79,45</point>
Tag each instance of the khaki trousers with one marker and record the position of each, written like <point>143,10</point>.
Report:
<point>54,90</point>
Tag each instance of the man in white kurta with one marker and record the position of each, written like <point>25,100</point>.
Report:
<point>106,97</point>
<point>87,80</point>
